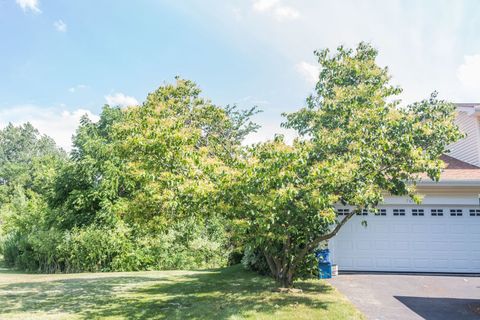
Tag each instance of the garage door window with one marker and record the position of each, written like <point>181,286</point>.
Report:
<point>381,212</point>
<point>436,212</point>
<point>475,212</point>
<point>418,212</point>
<point>398,212</point>
<point>343,212</point>
<point>456,212</point>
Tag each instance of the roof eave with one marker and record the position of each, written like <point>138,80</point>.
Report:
<point>450,183</point>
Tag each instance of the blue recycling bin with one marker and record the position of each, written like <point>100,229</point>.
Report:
<point>325,270</point>
<point>324,264</point>
<point>323,256</point>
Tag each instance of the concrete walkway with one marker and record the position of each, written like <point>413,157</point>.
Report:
<point>405,297</point>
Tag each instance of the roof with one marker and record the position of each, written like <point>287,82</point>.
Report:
<point>470,108</point>
<point>452,163</point>
<point>467,104</point>
<point>456,171</point>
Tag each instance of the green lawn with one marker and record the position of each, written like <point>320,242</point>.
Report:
<point>229,293</point>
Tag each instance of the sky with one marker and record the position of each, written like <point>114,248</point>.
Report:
<point>60,60</point>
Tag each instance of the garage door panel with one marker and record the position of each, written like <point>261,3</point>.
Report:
<point>458,228</point>
<point>383,262</point>
<point>344,245</point>
<point>401,263</point>
<point>421,263</point>
<point>380,228</point>
<point>401,228</point>
<point>382,245</point>
<point>458,246</point>
<point>421,245</point>
<point>359,228</point>
<point>363,245</point>
<point>460,264</point>
<point>474,229</point>
<point>400,245</point>
<point>364,262</point>
<point>422,229</point>
<point>438,246</point>
<point>439,263</point>
<point>437,229</point>
<point>345,263</point>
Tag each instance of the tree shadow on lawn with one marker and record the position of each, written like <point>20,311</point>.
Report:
<point>204,295</point>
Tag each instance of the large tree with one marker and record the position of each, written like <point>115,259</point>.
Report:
<point>152,163</point>
<point>29,161</point>
<point>356,144</point>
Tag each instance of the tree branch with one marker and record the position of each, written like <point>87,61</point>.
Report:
<point>334,232</point>
<point>327,236</point>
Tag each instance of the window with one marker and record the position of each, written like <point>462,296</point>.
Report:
<point>365,212</point>
<point>381,212</point>
<point>418,212</point>
<point>436,212</point>
<point>475,212</point>
<point>456,212</point>
<point>343,212</point>
<point>398,212</point>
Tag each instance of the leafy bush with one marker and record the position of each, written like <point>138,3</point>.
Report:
<point>254,260</point>
<point>185,245</point>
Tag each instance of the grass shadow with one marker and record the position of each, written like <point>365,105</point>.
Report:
<point>217,294</point>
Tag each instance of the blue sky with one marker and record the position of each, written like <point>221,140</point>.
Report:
<point>62,59</point>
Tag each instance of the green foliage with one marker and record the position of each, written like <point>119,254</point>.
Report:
<point>138,191</point>
<point>28,161</point>
<point>167,184</point>
<point>186,245</point>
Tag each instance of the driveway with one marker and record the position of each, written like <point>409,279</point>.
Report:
<point>394,296</point>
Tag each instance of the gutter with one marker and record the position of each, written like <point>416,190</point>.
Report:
<point>469,108</point>
<point>450,183</point>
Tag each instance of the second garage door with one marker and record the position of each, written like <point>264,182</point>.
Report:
<point>410,239</point>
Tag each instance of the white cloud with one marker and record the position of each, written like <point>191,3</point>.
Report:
<point>308,71</point>
<point>77,88</point>
<point>29,5</point>
<point>250,100</point>
<point>264,5</point>
<point>58,123</point>
<point>286,13</point>
<point>267,132</point>
<point>120,99</point>
<point>469,71</point>
<point>60,26</point>
<point>275,8</point>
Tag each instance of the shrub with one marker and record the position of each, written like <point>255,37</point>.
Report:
<point>254,260</point>
<point>185,245</point>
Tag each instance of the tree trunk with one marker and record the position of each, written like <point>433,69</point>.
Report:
<point>282,272</point>
<point>286,279</point>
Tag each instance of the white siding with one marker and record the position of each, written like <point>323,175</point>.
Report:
<point>467,149</point>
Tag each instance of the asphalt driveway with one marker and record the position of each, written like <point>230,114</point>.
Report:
<point>394,296</point>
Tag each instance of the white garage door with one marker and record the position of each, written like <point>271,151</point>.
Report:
<point>415,239</point>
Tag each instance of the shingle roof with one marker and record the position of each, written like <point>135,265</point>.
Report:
<point>468,105</point>
<point>457,170</point>
<point>454,163</point>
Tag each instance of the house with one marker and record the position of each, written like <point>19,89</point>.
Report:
<point>442,234</point>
